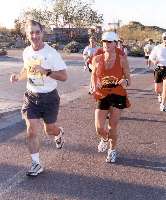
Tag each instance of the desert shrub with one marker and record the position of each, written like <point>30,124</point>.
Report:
<point>136,51</point>
<point>72,47</point>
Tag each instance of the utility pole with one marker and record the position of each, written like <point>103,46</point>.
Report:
<point>115,25</point>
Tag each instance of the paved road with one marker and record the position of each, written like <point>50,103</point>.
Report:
<point>78,172</point>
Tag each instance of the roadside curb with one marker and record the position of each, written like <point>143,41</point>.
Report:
<point>10,111</point>
<point>10,117</point>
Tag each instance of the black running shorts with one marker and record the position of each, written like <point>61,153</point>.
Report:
<point>159,74</point>
<point>41,105</point>
<point>146,57</point>
<point>113,100</point>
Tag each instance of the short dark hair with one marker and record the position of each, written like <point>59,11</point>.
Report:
<point>33,23</point>
<point>150,40</point>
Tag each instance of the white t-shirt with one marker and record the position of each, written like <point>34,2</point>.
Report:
<point>159,54</point>
<point>48,58</point>
<point>89,51</point>
<point>148,48</point>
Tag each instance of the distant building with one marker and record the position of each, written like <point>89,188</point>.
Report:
<point>65,35</point>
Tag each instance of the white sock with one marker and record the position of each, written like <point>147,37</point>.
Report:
<point>35,157</point>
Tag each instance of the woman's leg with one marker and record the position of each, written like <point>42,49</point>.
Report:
<point>100,120</point>
<point>114,118</point>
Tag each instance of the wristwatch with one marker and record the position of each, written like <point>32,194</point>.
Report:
<point>48,72</point>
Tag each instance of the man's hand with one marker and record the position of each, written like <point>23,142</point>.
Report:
<point>14,78</point>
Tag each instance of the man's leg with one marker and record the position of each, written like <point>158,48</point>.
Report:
<point>163,102</point>
<point>52,130</point>
<point>158,87</point>
<point>32,135</point>
<point>149,63</point>
<point>33,126</point>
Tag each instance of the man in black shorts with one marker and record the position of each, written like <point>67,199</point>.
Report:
<point>43,66</point>
<point>147,50</point>
<point>158,57</point>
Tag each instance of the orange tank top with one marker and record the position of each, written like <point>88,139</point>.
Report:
<point>116,70</point>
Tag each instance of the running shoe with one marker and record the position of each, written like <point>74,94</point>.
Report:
<point>35,169</point>
<point>59,139</point>
<point>102,146</point>
<point>111,156</point>
<point>162,107</point>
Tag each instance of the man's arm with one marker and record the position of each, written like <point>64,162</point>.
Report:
<point>60,75</point>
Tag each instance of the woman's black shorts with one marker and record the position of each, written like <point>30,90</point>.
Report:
<point>112,100</point>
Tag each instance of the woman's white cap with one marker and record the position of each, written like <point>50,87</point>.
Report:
<point>110,36</point>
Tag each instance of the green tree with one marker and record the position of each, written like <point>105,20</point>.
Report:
<point>74,13</point>
<point>42,16</point>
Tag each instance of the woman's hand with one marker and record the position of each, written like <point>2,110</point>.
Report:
<point>123,82</point>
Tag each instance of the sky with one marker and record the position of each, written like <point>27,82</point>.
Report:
<point>147,12</point>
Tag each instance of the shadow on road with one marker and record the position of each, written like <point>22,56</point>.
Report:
<point>142,119</point>
<point>64,185</point>
<point>11,131</point>
<point>9,59</point>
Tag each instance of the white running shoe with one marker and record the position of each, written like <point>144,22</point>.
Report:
<point>35,169</point>
<point>159,98</point>
<point>111,156</point>
<point>59,139</point>
<point>162,107</point>
<point>102,146</point>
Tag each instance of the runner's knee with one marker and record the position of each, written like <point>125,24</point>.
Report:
<point>31,132</point>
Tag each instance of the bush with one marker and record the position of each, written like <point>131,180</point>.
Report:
<point>136,52</point>
<point>55,45</point>
<point>73,47</point>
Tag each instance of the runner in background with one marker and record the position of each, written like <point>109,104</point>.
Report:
<point>88,53</point>
<point>158,58</point>
<point>121,46</point>
<point>147,50</point>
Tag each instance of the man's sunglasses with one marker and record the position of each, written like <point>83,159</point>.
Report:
<point>164,38</point>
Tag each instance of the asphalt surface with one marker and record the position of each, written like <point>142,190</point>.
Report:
<point>78,171</point>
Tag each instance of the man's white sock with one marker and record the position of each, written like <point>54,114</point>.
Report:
<point>35,157</point>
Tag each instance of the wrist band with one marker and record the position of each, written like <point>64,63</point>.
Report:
<point>127,82</point>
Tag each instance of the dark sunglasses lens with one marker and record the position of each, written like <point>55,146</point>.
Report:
<point>107,41</point>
